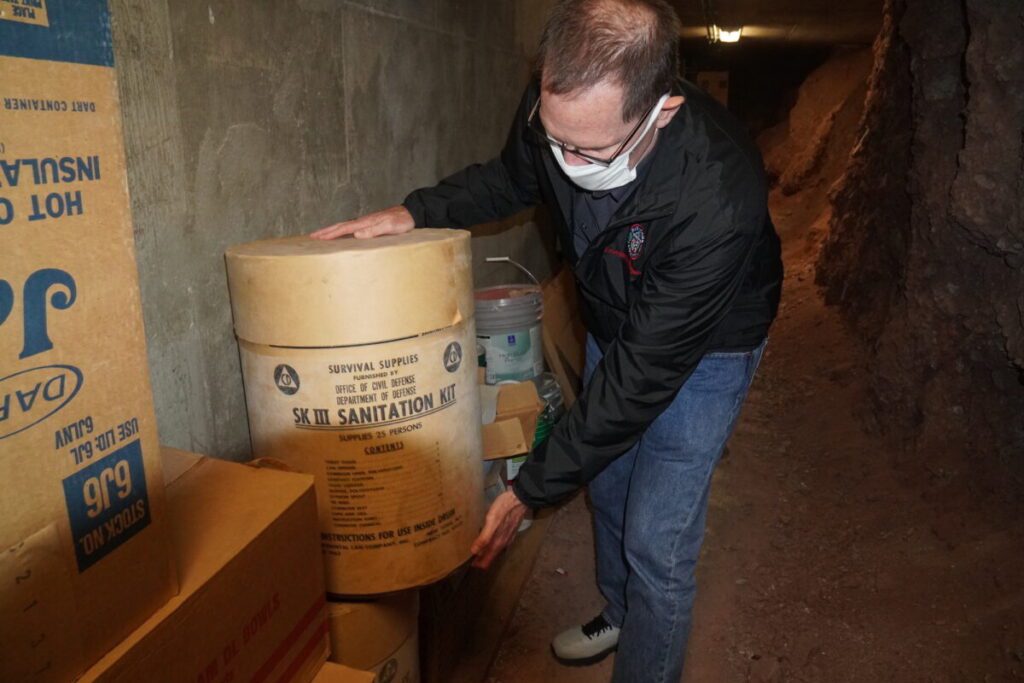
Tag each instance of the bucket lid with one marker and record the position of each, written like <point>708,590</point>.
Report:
<point>303,292</point>
<point>506,306</point>
<point>504,296</point>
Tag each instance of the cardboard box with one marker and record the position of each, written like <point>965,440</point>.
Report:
<point>564,333</point>
<point>380,636</point>
<point>251,606</point>
<point>84,555</point>
<point>515,409</point>
<point>338,673</point>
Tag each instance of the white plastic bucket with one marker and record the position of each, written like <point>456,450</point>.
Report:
<point>508,327</point>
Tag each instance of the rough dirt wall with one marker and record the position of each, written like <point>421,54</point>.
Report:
<point>806,154</point>
<point>810,148</point>
<point>925,255</point>
<point>867,239</point>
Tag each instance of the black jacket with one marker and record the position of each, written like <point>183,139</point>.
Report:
<point>690,263</point>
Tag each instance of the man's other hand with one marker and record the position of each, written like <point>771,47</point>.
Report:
<point>393,221</point>
<point>500,529</point>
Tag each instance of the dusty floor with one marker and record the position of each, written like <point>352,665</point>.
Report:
<point>829,557</point>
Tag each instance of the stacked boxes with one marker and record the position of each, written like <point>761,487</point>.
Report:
<point>83,548</point>
<point>87,570</point>
<point>251,606</point>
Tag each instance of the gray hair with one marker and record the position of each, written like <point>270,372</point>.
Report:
<point>634,43</point>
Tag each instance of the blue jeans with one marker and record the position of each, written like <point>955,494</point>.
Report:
<point>649,509</point>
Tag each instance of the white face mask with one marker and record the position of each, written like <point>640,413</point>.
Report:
<point>598,178</point>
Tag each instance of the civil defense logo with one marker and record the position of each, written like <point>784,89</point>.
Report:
<point>635,241</point>
<point>452,357</point>
<point>286,379</point>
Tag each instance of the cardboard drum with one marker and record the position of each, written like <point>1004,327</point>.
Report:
<point>378,636</point>
<point>358,366</point>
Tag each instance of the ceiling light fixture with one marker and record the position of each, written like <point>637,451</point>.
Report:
<point>726,35</point>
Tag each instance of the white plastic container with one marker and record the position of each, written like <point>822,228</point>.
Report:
<point>508,321</point>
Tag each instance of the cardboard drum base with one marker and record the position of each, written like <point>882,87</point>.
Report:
<point>378,636</point>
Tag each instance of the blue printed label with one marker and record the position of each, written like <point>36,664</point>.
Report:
<point>75,31</point>
<point>514,357</point>
<point>107,504</point>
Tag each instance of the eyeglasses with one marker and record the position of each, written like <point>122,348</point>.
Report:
<point>534,125</point>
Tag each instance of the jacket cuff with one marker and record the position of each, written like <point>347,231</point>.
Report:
<point>415,207</point>
<point>524,497</point>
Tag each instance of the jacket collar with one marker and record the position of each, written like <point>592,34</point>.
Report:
<point>659,192</point>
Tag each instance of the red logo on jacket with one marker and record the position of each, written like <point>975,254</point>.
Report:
<point>634,247</point>
<point>635,241</point>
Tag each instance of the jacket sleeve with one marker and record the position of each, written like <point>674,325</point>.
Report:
<point>666,333</point>
<point>484,192</point>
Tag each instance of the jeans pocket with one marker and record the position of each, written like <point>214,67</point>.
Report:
<point>730,355</point>
<point>746,355</point>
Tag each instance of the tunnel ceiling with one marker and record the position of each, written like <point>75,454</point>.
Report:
<point>808,22</point>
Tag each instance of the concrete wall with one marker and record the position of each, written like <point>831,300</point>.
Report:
<point>250,119</point>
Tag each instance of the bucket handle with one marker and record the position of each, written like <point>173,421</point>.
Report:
<point>506,259</point>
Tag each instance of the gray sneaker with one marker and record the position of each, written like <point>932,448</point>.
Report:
<point>586,644</point>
